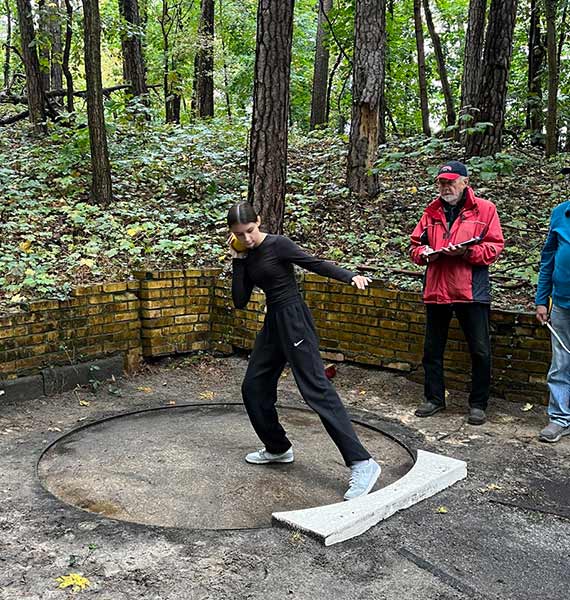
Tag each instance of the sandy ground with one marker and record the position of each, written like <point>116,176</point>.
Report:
<point>502,533</point>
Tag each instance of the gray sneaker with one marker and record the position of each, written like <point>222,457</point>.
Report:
<point>262,457</point>
<point>362,479</point>
<point>553,432</point>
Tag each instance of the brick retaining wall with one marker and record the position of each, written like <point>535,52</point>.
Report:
<point>165,312</point>
<point>98,320</point>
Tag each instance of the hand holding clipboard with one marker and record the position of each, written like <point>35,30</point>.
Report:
<point>452,249</point>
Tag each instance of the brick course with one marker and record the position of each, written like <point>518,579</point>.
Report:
<point>166,312</point>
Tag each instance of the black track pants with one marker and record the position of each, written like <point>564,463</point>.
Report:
<point>288,336</point>
<point>473,318</point>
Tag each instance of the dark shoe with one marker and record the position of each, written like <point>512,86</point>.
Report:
<point>427,409</point>
<point>553,432</point>
<point>476,416</point>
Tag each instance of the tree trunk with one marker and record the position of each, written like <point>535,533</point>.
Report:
<point>268,140</point>
<point>421,67</point>
<point>101,192</point>
<point>536,52</point>
<point>563,27</point>
<point>203,97</point>
<point>56,45</point>
<point>472,61</point>
<point>382,110</point>
<point>494,77</point>
<point>438,51</point>
<point>551,9</point>
<point>133,60</point>
<point>66,54</point>
<point>8,44</point>
<point>321,68</point>
<point>35,90</point>
<point>367,92</point>
<point>330,84</point>
<point>44,44</point>
<point>225,68</point>
<point>170,20</point>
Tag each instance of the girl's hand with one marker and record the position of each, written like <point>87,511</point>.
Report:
<point>233,252</point>
<point>361,282</point>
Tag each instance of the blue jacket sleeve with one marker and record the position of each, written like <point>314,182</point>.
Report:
<point>544,288</point>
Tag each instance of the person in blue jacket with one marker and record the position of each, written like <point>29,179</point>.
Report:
<point>554,283</point>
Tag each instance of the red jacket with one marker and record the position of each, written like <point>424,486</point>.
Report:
<point>458,278</point>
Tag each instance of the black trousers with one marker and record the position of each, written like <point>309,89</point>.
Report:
<point>474,321</point>
<point>288,336</point>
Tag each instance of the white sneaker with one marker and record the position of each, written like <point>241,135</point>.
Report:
<point>262,457</point>
<point>362,479</point>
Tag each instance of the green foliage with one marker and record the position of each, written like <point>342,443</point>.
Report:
<point>172,190</point>
<point>173,186</point>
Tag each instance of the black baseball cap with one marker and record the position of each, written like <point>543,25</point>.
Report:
<point>452,170</point>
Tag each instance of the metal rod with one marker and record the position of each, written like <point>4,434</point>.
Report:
<point>557,337</point>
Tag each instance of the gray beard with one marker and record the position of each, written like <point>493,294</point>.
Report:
<point>451,199</point>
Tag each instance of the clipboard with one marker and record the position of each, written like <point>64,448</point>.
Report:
<point>464,244</point>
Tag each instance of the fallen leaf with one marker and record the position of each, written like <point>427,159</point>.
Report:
<point>442,510</point>
<point>490,488</point>
<point>75,581</point>
<point>146,390</point>
<point>296,537</point>
<point>84,403</point>
<point>528,406</point>
<point>25,246</point>
<point>208,395</point>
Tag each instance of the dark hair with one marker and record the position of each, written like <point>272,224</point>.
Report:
<point>241,213</point>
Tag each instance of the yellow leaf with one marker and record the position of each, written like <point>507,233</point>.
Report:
<point>75,581</point>
<point>413,190</point>
<point>296,537</point>
<point>84,403</point>
<point>132,231</point>
<point>146,390</point>
<point>528,406</point>
<point>26,246</point>
<point>490,488</point>
<point>442,510</point>
<point>362,392</point>
<point>29,271</point>
<point>88,262</point>
<point>207,395</point>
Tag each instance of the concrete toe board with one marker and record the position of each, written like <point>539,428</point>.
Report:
<point>341,521</point>
<point>183,466</point>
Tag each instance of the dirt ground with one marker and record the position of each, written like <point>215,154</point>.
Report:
<point>503,533</point>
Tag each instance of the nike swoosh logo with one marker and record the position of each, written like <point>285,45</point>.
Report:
<point>299,342</point>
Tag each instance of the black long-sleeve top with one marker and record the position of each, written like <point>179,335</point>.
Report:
<point>269,266</point>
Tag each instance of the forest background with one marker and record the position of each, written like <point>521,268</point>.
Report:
<point>128,127</point>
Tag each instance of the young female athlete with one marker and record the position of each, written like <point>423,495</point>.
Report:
<point>288,336</point>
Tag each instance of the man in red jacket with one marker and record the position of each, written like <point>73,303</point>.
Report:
<point>458,237</point>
